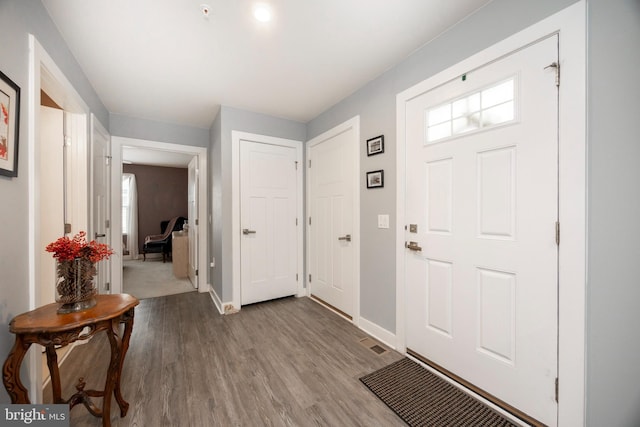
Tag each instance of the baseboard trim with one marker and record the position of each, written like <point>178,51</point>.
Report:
<point>378,332</point>
<point>216,300</point>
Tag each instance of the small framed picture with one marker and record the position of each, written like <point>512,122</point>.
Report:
<point>375,145</point>
<point>375,179</point>
<point>9,126</point>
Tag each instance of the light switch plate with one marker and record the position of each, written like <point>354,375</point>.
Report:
<point>383,221</point>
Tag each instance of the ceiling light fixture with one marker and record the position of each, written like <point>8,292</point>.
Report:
<point>262,12</point>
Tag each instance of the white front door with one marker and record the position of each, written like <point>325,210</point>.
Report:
<point>268,210</point>
<point>101,224</point>
<point>481,207</point>
<point>332,175</point>
<point>193,183</point>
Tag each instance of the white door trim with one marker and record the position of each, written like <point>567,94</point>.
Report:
<point>570,23</point>
<point>353,123</point>
<point>236,137</point>
<point>44,74</point>
<point>118,142</point>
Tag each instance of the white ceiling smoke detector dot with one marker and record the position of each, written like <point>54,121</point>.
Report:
<point>205,9</point>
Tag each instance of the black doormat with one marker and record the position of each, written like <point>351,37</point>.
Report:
<point>421,398</point>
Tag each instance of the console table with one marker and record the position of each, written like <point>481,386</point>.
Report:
<point>45,327</point>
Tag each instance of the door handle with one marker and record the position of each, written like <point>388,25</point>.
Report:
<point>246,231</point>
<point>412,246</point>
<point>346,237</point>
<point>99,235</point>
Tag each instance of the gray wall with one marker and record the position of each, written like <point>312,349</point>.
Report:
<point>234,119</point>
<point>613,291</point>
<point>133,127</point>
<point>162,195</point>
<point>215,204</point>
<point>376,103</point>
<point>18,18</point>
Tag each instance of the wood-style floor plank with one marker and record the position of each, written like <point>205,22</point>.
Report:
<point>288,362</point>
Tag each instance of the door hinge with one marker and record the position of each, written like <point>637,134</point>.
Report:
<point>296,164</point>
<point>296,222</point>
<point>555,66</point>
<point>557,389</point>
<point>107,223</point>
<point>309,162</point>
<point>558,233</point>
<point>107,286</point>
<point>296,277</point>
<point>67,228</point>
<point>309,278</point>
<point>309,220</point>
<point>196,221</point>
<point>107,160</point>
<point>196,272</point>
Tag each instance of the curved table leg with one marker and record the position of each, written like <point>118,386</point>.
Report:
<point>54,372</point>
<point>127,319</point>
<point>112,373</point>
<point>11,372</point>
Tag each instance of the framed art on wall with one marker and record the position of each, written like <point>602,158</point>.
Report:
<point>9,126</point>
<point>375,179</point>
<point>375,145</point>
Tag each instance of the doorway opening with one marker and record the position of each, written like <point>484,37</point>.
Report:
<point>165,197</point>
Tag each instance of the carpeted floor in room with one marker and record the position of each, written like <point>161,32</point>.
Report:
<point>152,278</point>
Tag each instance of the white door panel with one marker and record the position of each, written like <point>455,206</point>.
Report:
<point>101,170</point>
<point>194,223</point>
<point>51,196</point>
<point>269,250</point>
<point>482,188</point>
<point>332,231</point>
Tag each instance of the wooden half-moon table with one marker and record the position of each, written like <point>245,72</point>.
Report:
<point>45,327</point>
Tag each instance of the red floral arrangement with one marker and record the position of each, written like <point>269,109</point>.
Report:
<point>66,249</point>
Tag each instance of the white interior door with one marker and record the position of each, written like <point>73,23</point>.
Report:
<point>100,207</point>
<point>268,195</point>
<point>332,232</point>
<point>193,183</point>
<point>51,197</point>
<point>482,192</point>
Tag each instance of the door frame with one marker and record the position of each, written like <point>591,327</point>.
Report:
<point>44,74</point>
<point>236,137</point>
<point>97,127</point>
<point>353,123</point>
<point>117,144</point>
<point>570,24</point>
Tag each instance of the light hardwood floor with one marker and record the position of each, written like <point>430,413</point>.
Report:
<point>287,362</point>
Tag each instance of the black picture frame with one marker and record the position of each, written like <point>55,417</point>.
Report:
<point>375,179</point>
<point>375,145</point>
<point>9,126</point>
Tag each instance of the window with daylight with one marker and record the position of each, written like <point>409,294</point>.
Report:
<point>129,215</point>
<point>488,107</point>
<point>126,203</point>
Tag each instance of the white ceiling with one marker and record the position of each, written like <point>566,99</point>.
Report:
<point>163,60</point>
<point>153,157</point>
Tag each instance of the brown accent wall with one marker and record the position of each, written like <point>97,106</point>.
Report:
<point>162,194</point>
